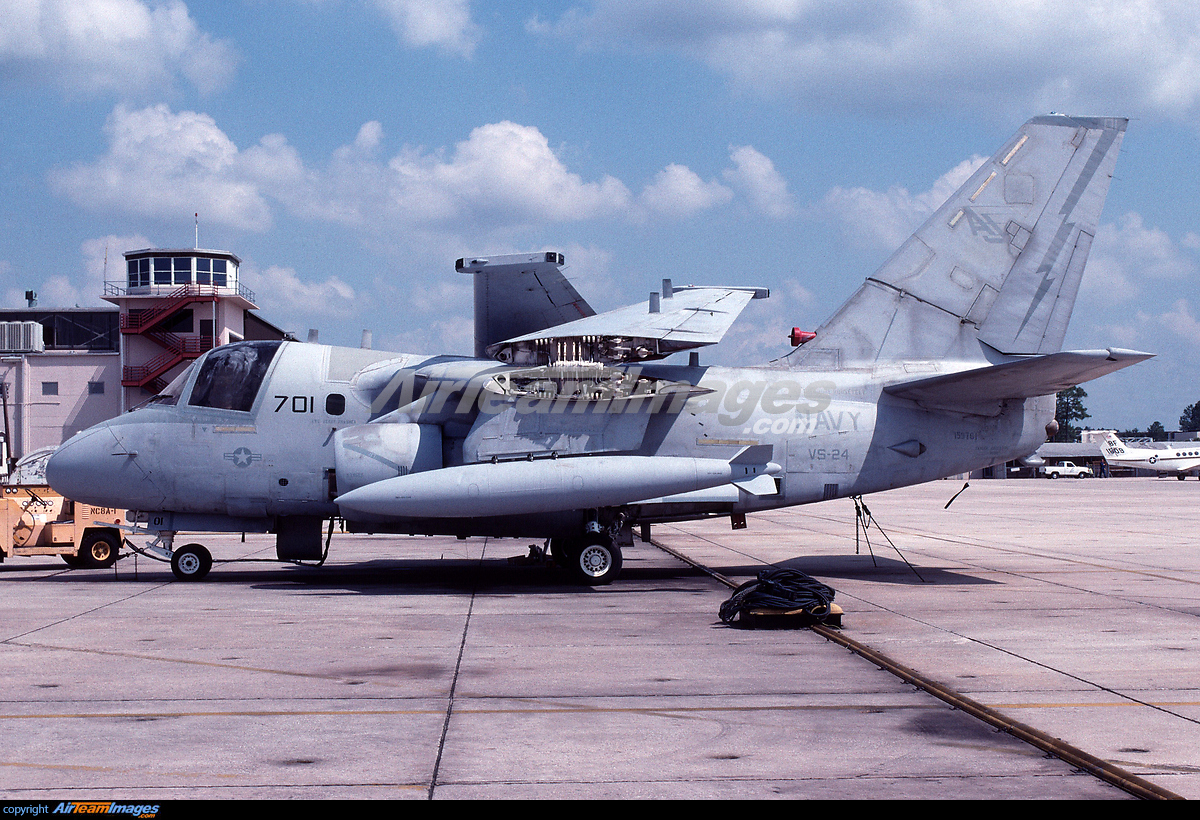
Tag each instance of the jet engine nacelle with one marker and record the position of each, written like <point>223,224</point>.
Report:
<point>368,453</point>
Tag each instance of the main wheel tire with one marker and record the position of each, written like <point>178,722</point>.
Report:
<point>98,550</point>
<point>191,562</point>
<point>596,561</point>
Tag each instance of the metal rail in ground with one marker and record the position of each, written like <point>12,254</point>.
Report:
<point>1102,769</point>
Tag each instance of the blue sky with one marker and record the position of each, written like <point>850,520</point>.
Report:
<point>350,150</point>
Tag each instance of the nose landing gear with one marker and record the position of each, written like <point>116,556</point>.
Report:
<point>191,562</point>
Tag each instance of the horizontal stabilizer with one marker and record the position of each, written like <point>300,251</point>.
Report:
<point>682,319</point>
<point>980,391</point>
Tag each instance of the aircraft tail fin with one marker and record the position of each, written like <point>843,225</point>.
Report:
<point>1113,447</point>
<point>999,263</point>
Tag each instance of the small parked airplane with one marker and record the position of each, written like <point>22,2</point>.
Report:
<point>1176,459</point>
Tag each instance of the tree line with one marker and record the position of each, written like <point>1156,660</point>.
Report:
<point>1070,409</point>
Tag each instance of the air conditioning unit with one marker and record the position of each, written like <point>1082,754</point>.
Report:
<point>21,337</point>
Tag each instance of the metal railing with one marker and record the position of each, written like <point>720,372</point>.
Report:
<point>177,349</point>
<point>136,321</point>
<point>121,288</point>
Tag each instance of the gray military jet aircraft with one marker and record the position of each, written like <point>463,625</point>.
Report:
<point>566,425</point>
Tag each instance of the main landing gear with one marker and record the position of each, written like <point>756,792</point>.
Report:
<point>594,558</point>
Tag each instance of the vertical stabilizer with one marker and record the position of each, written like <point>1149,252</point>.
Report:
<point>999,263</point>
<point>1115,448</point>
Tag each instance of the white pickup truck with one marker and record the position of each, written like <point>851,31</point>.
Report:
<point>1067,468</point>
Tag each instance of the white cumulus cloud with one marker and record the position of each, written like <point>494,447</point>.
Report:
<point>281,291</point>
<point>1180,321</point>
<point>445,24</point>
<point>163,164</point>
<point>101,261</point>
<point>88,46</point>
<point>754,174</point>
<point>881,220</point>
<point>502,179</point>
<point>1107,56</point>
<point>678,191</point>
<point>509,168</point>
<point>1130,258</point>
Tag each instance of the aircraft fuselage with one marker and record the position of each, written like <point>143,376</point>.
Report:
<point>303,439</point>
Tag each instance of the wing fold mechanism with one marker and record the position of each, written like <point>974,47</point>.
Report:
<point>983,390</point>
<point>683,318</point>
<point>590,382</point>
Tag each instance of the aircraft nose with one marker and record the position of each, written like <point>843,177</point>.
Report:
<point>96,467</point>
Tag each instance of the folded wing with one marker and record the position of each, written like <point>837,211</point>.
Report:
<point>681,319</point>
<point>520,293</point>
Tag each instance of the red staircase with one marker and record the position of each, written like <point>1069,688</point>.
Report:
<point>139,321</point>
<point>176,348</point>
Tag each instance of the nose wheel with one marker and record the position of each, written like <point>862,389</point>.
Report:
<point>191,562</point>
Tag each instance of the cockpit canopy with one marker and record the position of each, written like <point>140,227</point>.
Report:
<point>171,393</point>
<point>231,375</point>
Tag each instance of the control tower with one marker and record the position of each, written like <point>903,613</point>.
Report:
<point>175,304</point>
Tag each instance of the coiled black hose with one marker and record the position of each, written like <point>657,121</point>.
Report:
<point>780,588</point>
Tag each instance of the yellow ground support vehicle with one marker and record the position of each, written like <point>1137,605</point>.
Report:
<point>38,521</point>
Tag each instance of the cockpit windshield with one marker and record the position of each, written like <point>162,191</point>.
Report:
<point>231,375</point>
<point>172,392</point>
